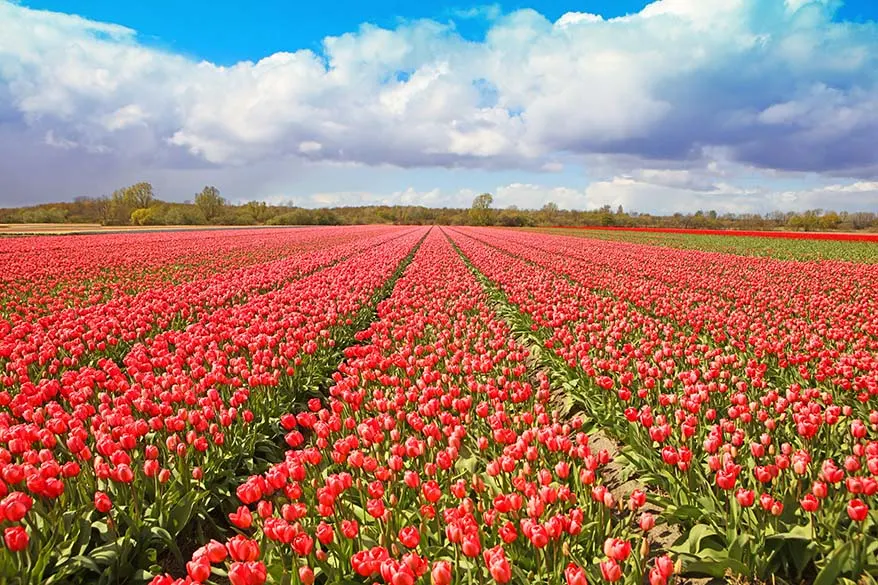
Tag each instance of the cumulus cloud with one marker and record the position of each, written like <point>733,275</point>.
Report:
<point>728,198</point>
<point>774,84</point>
<point>632,194</point>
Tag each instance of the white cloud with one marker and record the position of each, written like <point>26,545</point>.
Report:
<point>728,198</point>
<point>573,18</point>
<point>633,194</point>
<point>776,84</point>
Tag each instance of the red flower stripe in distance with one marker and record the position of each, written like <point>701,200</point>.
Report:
<point>832,236</point>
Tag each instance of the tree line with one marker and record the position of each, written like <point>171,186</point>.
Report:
<point>138,205</point>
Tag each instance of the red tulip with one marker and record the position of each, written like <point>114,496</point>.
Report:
<point>349,528</point>
<point>103,504</point>
<point>241,518</point>
<point>249,573</point>
<point>857,510</point>
<point>617,549</point>
<point>306,575</point>
<point>16,538</point>
<point>409,536</point>
<point>325,533</point>
<point>809,503</point>
<point>198,571</point>
<point>441,573</point>
<point>610,570</point>
<point>243,549</point>
<point>575,575</point>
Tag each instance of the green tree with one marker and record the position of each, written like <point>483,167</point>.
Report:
<point>862,219</point>
<point>830,220</point>
<point>124,201</point>
<point>806,221</point>
<point>258,210</point>
<point>210,203</point>
<point>480,213</point>
<point>549,213</point>
<point>140,195</point>
<point>144,216</point>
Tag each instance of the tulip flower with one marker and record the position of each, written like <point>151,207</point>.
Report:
<point>103,504</point>
<point>857,510</point>
<point>441,573</point>
<point>16,538</point>
<point>610,570</point>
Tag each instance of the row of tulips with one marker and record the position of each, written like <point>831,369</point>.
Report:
<point>42,276</point>
<point>110,465</point>
<point>39,350</point>
<point>727,297</point>
<point>436,457</point>
<point>767,452</point>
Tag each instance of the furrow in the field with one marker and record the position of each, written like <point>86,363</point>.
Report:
<point>45,349</point>
<point>616,475</point>
<point>172,431</point>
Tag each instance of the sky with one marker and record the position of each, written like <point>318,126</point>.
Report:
<point>676,105</point>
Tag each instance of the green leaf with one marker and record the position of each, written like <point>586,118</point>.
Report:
<point>143,576</point>
<point>685,513</point>
<point>165,538</point>
<point>795,533</point>
<point>181,513</point>
<point>694,542</point>
<point>739,547</point>
<point>80,562</point>
<point>714,567</point>
<point>835,565</point>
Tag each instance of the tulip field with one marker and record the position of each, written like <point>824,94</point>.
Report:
<point>439,405</point>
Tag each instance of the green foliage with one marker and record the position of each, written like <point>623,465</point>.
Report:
<point>177,214</point>
<point>514,218</point>
<point>146,216</point>
<point>210,204</point>
<point>210,207</point>
<point>125,201</point>
<point>480,213</point>
<point>258,211</point>
<point>295,217</point>
<point>44,215</point>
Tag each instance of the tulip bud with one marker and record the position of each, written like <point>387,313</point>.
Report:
<point>306,575</point>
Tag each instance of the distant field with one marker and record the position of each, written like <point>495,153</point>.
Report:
<point>782,245</point>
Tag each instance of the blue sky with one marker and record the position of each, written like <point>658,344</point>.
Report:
<point>226,32</point>
<point>675,105</point>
